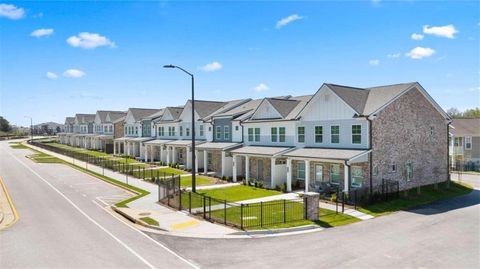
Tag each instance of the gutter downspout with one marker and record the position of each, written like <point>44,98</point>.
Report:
<point>349,176</point>
<point>370,156</point>
<point>448,151</point>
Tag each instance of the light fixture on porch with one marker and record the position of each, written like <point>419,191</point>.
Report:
<point>194,189</point>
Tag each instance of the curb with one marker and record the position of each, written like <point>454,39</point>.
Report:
<point>136,221</point>
<point>12,207</point>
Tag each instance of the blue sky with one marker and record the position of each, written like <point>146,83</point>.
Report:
<point>49,69</point>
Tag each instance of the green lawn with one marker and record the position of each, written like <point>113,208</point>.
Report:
<point>428,195</point>
<point>18,146</point>
<point>238,193</point>
<point>169,170</point>
<point>186,181</point>
<point>329,218</point>
<point>149,221</point>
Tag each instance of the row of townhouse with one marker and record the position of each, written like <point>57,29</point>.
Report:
<point>340,136</point>
<point>465,144</point>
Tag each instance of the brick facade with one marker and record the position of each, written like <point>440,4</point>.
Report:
<point>410,130</point>
<point>118,130</point>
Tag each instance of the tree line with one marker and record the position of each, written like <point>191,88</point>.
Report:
<point>472,113</point>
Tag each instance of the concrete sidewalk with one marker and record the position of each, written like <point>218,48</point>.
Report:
<point>170,220</point>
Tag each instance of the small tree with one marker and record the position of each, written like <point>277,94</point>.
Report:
<point>4,125</point>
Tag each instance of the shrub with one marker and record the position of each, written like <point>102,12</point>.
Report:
<point>284,187</point>
<point>334,197</point>
<point>278,188</point>
<point>260,184</point>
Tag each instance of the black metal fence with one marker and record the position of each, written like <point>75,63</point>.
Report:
<point>240,215</point>
<point>121,166</point>
<point>386,191</point>
<point>462,166</point>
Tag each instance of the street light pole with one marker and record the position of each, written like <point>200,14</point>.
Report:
<point>194,185</point>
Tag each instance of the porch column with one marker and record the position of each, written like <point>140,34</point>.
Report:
<point>289,175</point>
<point>161,153</point>
<point>307,175</point>
<point>234,168</point>
<point>174,155</point>
<point>145,152</point>
<point>152,153</point>
<point>247,168</point>
<point>272,173</point>
<point>346,175</point>
<point>223,163</point>
<point>168,155</point>
<point>128,147</point>
<point>189,159</point>
<point>196,161</point>
<point>205,162</point>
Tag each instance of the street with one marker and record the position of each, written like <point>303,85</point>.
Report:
<point>64,223</point>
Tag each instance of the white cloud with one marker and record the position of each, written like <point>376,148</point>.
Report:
<point>42,32</point>
<point>73,73</point>
<point>394,55</point>
<point>214,66</point>
<point>51,75</point>
<point>374,62</point>
<point>420,52</point>
<point>11,12</point>
<point>287,20</point>
<point>261,87</point>
<point>87,40</point>
<point>447,31</point>
<point>416,36</point>
<point>474,89</point>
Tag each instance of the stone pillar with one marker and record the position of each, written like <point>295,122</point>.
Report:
<point>247,168</point>
<point>307,175</point>
<point>205,162</point>
<point>223,163</point>
<point>189,159</point>
<point>272,173</point>
<point>289,175</point>
<point>311,201</point>
<point>196,161</point>
<point>234,168</point>
<point>346,175</point>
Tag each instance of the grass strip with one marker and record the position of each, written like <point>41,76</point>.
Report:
<point>149,221</point>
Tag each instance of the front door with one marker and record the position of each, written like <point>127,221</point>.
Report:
<point>318,174</point>
<point>260,169</point>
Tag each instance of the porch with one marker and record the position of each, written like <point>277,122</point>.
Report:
<point>217,157</point>
<point>180,152</point>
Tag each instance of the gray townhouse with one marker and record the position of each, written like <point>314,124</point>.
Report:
<point>82,128</point>
<point>103,130</point>
<point>465,144</point>
<point>66,136</point>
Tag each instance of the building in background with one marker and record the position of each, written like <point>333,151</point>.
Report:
<point>465,144</point>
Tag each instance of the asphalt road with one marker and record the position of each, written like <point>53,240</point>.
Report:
<point>444,234</point>
<point>63,222</point>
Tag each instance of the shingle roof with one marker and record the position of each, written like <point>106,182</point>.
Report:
<point>155,115</point>
<point>243,111</point>
<point>120,119</point>
<point>324,153</point>
<point>69,120</point>
<point>466,127</point>
<point>283,106</point>
<point>85,118</point>
<point>140,113</point>
<point>115,115</point>
<point>368,100</point>
<point>227,106</point>
<point>205,108</point>
<point>175,111</point>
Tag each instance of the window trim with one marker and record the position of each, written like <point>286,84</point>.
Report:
<point>300,135</point>
<point>332,134</point>
<point>257,136</point>
<point>218,132</point>
<point>359,134</point>
<point>331,174</point>
<point>363,178</point>
<point>468,141</point>
<point>282,137</point>
<point>274,134</point>
<point>298,170</point>
<point>250,134</point>
<point>318,135</point>
<point>226,132</point>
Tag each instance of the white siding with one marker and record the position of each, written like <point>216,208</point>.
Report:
<point>266,111</point>
<point>326,105</point>
<point>345,133</point>
<point>236,135</point>
<point>265,133</point>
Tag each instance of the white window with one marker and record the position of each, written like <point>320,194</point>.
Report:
<point>201,130</point>
<point>180,130</point>
<point>281,134</point>
<point>356,134</point>
<point>273,134</point>
<point>250,134</point>
<point>468,142</point>
<point>226,132</point>
<point>335,134</point>
<point>257,134</point>
<point>409,168</point>
<point>187,131</point>
<point>318,134</point>
<point>218,132</point>
<point>318,173</point>
<point>301,134</point>
<point>301,170</point>
<point>357,176</point>
<point>393,167</point>
<point>236,128</point>
<point>335,174</point>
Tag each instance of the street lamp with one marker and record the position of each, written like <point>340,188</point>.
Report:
<point>194,189</point>
<point>31,128</point>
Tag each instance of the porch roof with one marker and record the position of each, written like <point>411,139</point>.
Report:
<point>327,153</point>
<point>218,145</point>
<point>120,139</point>
<point>104,136</point>
<point>157,142</point>
<point>138,139</point>
<point>261,150</point>
<point>185,143</point>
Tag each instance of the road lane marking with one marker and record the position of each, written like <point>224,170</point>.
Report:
<point>10,202</point>
<point>85,214</point>
<point>183,225</point>
<point>148,237</point>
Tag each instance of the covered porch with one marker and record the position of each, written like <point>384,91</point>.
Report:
<point>119,146</point>
<point>217,157</point>
<point>261,163</point>
<point>180,152</point>
<point>134,146</point>
<point>155,150</point>
<point>324,170</point>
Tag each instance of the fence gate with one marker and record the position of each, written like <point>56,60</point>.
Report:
<point>169,191</point>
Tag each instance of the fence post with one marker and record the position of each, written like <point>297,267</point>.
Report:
<point>336,202</point>
<point>225,212</point>
<point>209,208</point>
<point>398,189</point>
<point>241,216</point>
<point>261,214</point>
<point>204,207</point>
<point>284,211</point>
<point>180,200</point>
<point>190,202</point>
<point>355,202</point>
<point>343,202</point>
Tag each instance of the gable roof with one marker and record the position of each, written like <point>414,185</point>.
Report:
<point>155,115</point>
<point>69,120</point>
<point>175,111</point>
<point>356,98</point>
<point>288,107</point>
<point>120,119</point>
<point>465,127</point>
<point>115,115</point>
<point>227,107</point>
<point>140,113</point>
<point>205,108</point>
<point>85,118</point>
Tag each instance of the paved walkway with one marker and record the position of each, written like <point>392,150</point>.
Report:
<point>170,220</point>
